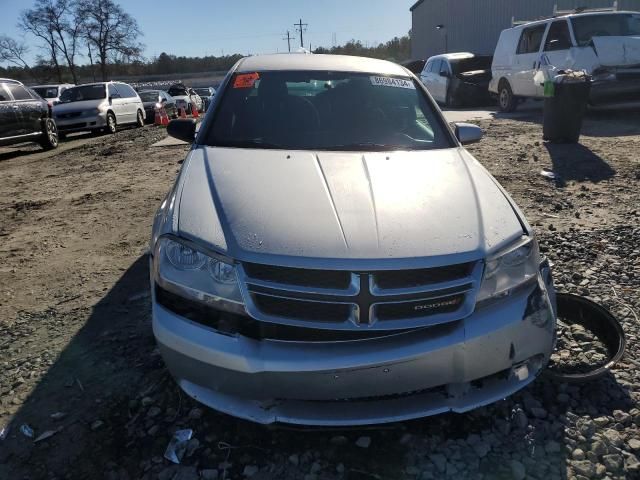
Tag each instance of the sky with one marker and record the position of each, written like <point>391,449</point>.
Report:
<point>216,27</point>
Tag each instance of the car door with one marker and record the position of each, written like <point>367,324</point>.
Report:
<point>116,103</point>
<point>424,75</point>
<point>28,109</point>
<point>133,101</point>
<point>557,44</point>
<point>444,77</point>
<point>527,60</point>
<point>431,80</point>
<point>8,117</point>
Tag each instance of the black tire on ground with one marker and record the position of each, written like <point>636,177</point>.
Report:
<point>507,102</point>
<point>49,139</point>
<point>139,119</point>
<point>111,124</point>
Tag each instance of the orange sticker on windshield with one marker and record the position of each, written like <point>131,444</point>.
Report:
<point>246,80</point>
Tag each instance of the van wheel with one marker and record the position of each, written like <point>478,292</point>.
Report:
<point>111,123</point>
<point>139,119</point>
<point>506,100</point>
<point>49,138</point>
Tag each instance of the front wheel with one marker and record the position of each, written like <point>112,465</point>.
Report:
<point>139,119</point>
<point>111,123</point>
<point>50,137</point>
<point>506,100</point>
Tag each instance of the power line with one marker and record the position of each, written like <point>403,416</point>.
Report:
<point>288,38</point>
<point>301,27</point>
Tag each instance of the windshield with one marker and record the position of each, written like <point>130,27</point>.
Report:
<point>46,92</point>
<point>176,91</point>
<point>326,111</point>
<point>606,25</point>
<point>472,64</point>
<point>203,92</point>
<point>85,92</point>
<point>148,96</point>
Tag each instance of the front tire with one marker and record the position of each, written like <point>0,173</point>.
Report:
<point>139,119</point>
<point>50,137</point>
<point>507,102</point>
<point>111,124</point>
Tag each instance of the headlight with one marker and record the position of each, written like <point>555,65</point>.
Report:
<point>510,268</point>
<point>186,271</point>
<point>158,106</point>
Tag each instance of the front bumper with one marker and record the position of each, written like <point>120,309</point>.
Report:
<point>483,358</point>
<point>615,91</point>
<point>81,123</point>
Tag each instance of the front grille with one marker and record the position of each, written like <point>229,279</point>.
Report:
<point>348,300</point>
<point>73,125</point>
<point>425,276</point>
<point>329,279</point>
<point>301,309</point>
<point>68,115</point>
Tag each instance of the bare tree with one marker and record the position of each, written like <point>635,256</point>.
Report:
<point>111,31</point>
<point>13,51</point>
<point>59,25</point>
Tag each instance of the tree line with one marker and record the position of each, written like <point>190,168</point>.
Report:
<point>70,32</point>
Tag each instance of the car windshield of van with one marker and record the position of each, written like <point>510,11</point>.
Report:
<point>482,62</point>
<point>46,92</point>
<point>148,96</point>
<point>85,92</point>
<point>321,110</point>
<point>605,25</point>
<point>178,90</point>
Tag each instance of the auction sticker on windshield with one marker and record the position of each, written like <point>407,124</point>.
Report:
<point>246,80</point>
<point>392,82</point>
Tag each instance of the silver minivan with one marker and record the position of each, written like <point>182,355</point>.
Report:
<point>98,107</point>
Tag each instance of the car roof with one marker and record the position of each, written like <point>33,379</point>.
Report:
<point>55,85</point>
<point>570,15</point>
<point>302,61</point>
<point>454,56</point>
<point>8,80</point>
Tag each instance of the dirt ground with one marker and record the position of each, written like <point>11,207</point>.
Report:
<point>80,367</point>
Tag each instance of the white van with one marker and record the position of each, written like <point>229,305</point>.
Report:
<point>606,44</point>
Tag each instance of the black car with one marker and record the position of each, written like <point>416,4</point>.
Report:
<point>25,116</point>
<point>153,100</point>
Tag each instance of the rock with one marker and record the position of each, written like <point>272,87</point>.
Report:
<point>601,421</point>
<point>195,413</point>
<point>311,476</point>
<point>146,401</point>
<point>539,412</point>
<point>634,444</point>
<point>599,448</point>
<point>294,459</point>
<point>631,464</point>
<point>250,470</point>
<point>578,454</point>
<point>97,425</point>
<point>552,447</point>
<point>192,445</point>
<point>612,462</point>
<point>209,474</point>
<point>315,467</point>
<point>563,398</point>
<point>622,417</point>
<point>612,437</point>
<point>439,460</point>
<point>517,470</point>
<point>584,467</point>
<point>481,449</point>
<point>412,470</point>
<point>521,419</point>
<point>340,468</point>
<point>339,440</point>
<point>363,442</point>
<point>405,439</point>
<point>154,412</point>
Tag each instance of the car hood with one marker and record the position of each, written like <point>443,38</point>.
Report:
<point>289,205</point>
<point>77,106</point>
<point>617,51</point>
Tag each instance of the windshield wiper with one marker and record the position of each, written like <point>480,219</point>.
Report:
<point>255,143</point>
<point>366,147</point>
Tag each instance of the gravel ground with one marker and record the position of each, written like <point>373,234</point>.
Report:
<point>80,367</point>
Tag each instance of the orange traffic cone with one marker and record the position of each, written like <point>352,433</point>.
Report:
<point>194,111</point>
<point>164,118</point>
<point>158,118</point>
<point>183,114</point>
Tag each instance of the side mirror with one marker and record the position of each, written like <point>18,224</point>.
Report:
<point>468,133</point>
<point>183,129</point>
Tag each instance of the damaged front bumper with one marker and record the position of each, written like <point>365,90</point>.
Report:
<point>480,359</point>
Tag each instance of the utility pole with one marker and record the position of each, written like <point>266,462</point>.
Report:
<point>301,27</point>
<point>288,38</point>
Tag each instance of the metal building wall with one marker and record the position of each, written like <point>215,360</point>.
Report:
<point>475,25</point>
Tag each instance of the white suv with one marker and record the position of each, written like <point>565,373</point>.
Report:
<point>604,44</point>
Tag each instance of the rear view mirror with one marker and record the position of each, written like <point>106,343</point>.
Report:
<point>468,133</point>
<point>183,129</point>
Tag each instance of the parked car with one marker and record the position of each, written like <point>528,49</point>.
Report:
<point>98,107</point>
<point>604,44</point>
<point>154,100</point>
<point>206,94</point>
<point>52,93</point>
<point>334,256</point>
<point>186,98</point>
<point>458,79</point>
<point>25,116</point>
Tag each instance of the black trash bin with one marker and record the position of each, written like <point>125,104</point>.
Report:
<point>563,112</point>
